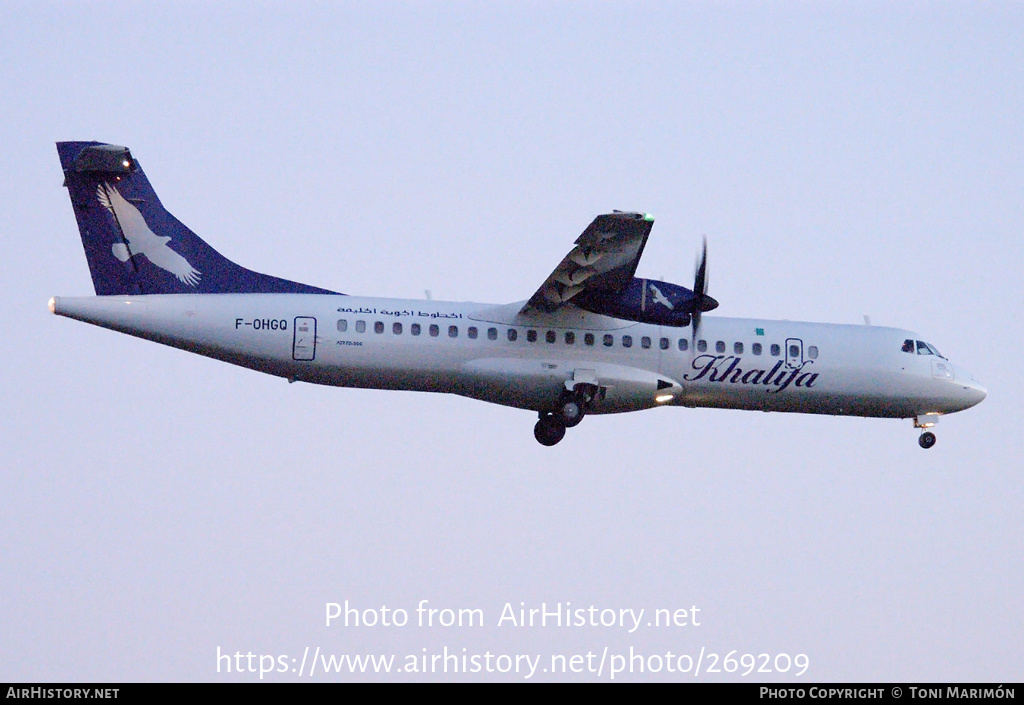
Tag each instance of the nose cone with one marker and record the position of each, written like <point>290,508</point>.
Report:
<point>971,391</point>
<point>707,303</point>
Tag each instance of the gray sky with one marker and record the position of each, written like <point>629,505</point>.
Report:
<point>842,159</point>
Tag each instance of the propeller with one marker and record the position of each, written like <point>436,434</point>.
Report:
<point>701,301</point>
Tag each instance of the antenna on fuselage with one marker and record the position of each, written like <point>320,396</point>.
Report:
<point>427,292</point>
<point>867,320</point>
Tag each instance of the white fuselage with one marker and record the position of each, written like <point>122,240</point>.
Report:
<point>491,353</point>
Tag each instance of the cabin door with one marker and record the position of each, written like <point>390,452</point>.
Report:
<point>304,339</point>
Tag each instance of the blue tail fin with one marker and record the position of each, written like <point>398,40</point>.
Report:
<point>134,246</point>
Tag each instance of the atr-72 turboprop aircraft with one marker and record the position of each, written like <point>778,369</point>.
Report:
<point>593,339</point>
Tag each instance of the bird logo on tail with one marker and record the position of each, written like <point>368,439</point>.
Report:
<point>141,240</point>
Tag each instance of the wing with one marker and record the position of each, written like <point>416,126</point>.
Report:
<point>603,261</point>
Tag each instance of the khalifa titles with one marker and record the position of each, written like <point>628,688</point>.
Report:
<point>725,368</point>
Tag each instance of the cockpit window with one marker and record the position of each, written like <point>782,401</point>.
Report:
<point>924,348</point>
<point>908,346</point>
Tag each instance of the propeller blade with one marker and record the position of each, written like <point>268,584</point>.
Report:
<point>700,279</point>
<point>700,293</point>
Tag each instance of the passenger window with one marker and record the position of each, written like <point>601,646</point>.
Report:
<point>645,342</point>
<point>588,338</point>
<point>378,327</point>
<point>434,330</point>
<point>720,346</point>
<point>812,352</point>
<point>684,344</point>
<point>512,334</point>
<point>627,341</point>
<point>342,325</point>
<point>550,336</point>
<point>776,350</point>
<point>664,343</point>
<point>471,332</point>
<point>737,348</point>
<point>360,326</point>
<point>396,328</point>
<point>794,351</point>
<point>609,340</point>
<point>531,336</point>
<point>415,329</point>
<point>908,346</point>
<point>702,346</point>
<point>756,348</point>
<point>453,331</point>
<point>492,333</point>
<point>570,338</point>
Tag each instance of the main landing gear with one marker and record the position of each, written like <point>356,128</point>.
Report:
<point>571,409</point>
<point>549,429</point>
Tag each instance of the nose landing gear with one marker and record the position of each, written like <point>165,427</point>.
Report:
<point>926,422</point>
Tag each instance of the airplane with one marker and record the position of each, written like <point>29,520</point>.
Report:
<point>593,339</point>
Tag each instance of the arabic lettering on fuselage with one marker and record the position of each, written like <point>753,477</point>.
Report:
<point>434,314</point>
<point>722,368</point>
<point>398,312</point>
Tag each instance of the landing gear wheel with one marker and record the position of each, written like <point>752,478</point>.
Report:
<point>927,439</point>
<point>549,431</point>
<point>571,412</point>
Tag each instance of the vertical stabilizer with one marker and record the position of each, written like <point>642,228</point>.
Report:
<point>134,246</point>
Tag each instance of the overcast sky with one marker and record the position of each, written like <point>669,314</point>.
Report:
<point>842,160</point>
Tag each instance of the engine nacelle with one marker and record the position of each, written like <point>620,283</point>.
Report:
<point>647,301</point>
